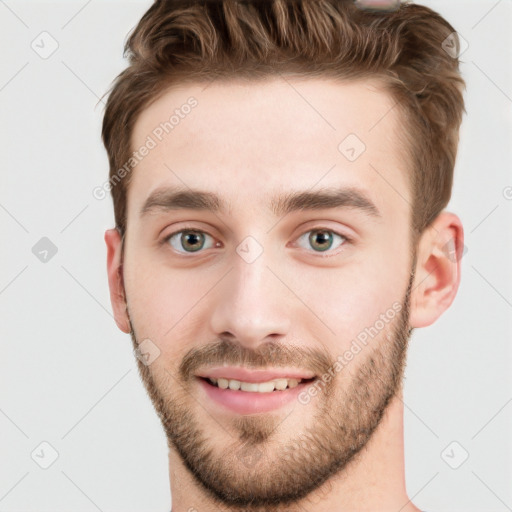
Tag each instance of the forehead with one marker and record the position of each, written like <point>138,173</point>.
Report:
<point>246,141</point>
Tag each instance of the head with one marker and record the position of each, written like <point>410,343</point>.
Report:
<point>306,151</point>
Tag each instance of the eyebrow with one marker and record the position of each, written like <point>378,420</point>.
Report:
<point>175,198</point>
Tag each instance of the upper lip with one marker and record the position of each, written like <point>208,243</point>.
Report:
<point>252,375</point>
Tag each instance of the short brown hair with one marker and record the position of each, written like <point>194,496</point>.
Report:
<point>201,40</point>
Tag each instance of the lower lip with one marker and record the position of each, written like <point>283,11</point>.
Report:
<point>251,402</point>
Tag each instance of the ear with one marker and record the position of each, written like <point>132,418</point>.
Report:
<point>115,279</point>
<point>439,253</point>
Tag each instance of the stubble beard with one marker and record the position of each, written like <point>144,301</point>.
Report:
<point>257,470</point>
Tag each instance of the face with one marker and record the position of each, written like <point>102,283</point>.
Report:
<point>268,243</point>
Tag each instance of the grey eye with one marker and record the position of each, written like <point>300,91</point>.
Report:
<point>322,239</point>
<point>189,240</point>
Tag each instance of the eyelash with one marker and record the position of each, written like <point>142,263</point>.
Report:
<point>328,252</point>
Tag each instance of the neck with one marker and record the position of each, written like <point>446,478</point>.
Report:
<point>373,480</point>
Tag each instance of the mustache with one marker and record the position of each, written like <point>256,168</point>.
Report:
<point>270,354</point>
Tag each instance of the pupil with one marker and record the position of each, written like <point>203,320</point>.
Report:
<point>322,237</point>
<point>193,239</point>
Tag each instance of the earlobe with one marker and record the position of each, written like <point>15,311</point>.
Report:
<point>438,267</point>
<point>115,279</point>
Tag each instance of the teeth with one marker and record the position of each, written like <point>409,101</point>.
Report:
<point>260,387</point>
<point>292,383</point>
<point>263,387</point>
<point>234,384</point>
<point>281,384</point>
<point>249,386</point>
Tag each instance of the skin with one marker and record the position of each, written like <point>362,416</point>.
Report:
<point>248,142</point>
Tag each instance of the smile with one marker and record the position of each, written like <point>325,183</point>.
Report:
<point>242,397</point>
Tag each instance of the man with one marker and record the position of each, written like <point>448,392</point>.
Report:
<point>279,172</point>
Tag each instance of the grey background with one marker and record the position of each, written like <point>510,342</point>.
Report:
<point>68,376</point>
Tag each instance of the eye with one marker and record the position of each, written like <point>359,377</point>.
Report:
<point>323,240</point>
<point>191,240</point>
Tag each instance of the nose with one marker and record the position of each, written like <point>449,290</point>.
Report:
<point>251,305</point>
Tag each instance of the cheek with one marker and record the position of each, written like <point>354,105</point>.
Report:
<point>351,305</point>
<point>163,302</point>
<point>349,300</point>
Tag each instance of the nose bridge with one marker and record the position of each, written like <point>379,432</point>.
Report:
<point>249,304</point>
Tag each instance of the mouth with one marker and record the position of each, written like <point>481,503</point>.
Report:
<point>255,394</point>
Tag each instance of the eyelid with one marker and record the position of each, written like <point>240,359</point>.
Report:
<point>185,227</point>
